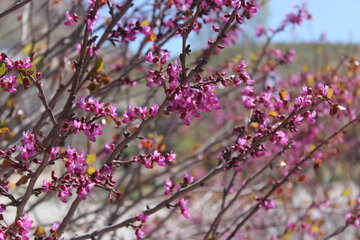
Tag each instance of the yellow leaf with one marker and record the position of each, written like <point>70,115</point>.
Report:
<point>145,23</point>
<point>10,103</point>
<point>305,67</point>
<point>283,94</point>
<point>162,148</point>
<point>273,113</point>
<point>91,158</point>
<point>358,93</point>
<point>254,124</point>
<point>160,138</point>
<point>40,231</point>
<point>146,143</point>
<point>312,147</point>
<point>4,130</point>
<point>151,135</point>
<point>37,60</point>
<point>196,146</point>
<point>352,202</point>
<point>330,93</point>
<point>328,68</point>
<point>287,235</point>
<point>10,135</point>
<point>253,56</point>
<point>346,192</point>
<point>315,228</point>
<point>91,170</point>
<point>151,37</point>
<point>12,186</point>
<point>238,57</point>
<point>28,48</point>
<point>310,81</point>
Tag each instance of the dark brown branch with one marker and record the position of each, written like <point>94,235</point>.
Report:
<point>16,6</point>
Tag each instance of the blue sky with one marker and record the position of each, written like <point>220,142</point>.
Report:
<point>340,20</point>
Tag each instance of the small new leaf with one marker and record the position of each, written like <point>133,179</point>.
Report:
<point>91,158</point>
<point>2,68</point>
<point>330,93</point>
<point>4,130</point>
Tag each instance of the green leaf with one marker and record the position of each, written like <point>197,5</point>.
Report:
<point>20,78</point>
<point>2,68</point>
<point>33,70</point>
<point>99,65</point>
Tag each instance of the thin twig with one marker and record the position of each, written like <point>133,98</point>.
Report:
<point>16,6</point>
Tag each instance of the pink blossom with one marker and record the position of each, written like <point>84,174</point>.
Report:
<point>169,186</point>
<point>64,193</point>
<point>71,19</point>
<point>188,101</point>
<point>188,179</point>
<point>24,226</point>
<point>185,210</point>
<point>109,148</point>
<point>83,191</point>
<point>281,138</point>
<point>139,233</point>
<point>248,102</point>
<point>9,83</point>
<point>54,152</point>
<point>142,217</point>
<point>46,186</point>
<point>2,234</point>
<point>29,147</point>
<point>260,30</point>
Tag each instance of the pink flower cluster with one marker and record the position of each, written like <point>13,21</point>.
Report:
<point>29,145</point>
<point>139,113</point>
<point>352,219</point>
<point>9,83</point>
<point>90,19</point>
<point>161,57</point>
<point>139,233</point>
<point>189,101</point>
<point>157,77</point>
<point>267,204</point>
<point>241,77</point>
<point>155,157</point>
<point>71,18</point>
<point>169,186</point>
<point>7,80</point>
<point>297,18</point>
<point>99,109</point>
<point>16,65</point>
<point>91,130</point>
<point>76,177</point>
<point>282,57</point>
<point>24,225</point>
<point>129,31</point>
